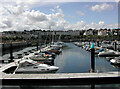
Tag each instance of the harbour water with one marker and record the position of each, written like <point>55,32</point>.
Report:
<point>74,59</point>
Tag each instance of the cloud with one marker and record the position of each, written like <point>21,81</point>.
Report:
<point>35,15</point>
<point>16,10</point>
<point>5,18</point>
<point>102,7</point>
<point>37,1</point>
<point>59,15</point>
<point>111,26</point>
<point>80,13</point>
<point>18,17</point>
<point>57,6</point>
<point>7,22</point>
<point>101,23</point>
<point>21,18</point>
<point>117,1</point>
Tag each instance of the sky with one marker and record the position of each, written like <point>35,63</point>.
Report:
<point>23,15</point>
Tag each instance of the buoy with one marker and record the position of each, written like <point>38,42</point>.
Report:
<point>47,55</point>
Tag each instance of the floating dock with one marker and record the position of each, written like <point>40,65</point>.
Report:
<point>61,79</point>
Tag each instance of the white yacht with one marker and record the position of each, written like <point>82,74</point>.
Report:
<point>115,60</point>
<point>25,65</point>
<point>109,53</point>
<point>30,66</point>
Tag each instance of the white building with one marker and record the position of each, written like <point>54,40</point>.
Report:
<point>88,32</point>
<point>102,32</point>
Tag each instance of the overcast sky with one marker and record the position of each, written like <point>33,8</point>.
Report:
<point>22,15</point>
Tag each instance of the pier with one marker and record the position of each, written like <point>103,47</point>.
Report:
<point>61,79</point>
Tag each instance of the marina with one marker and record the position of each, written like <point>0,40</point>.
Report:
<point>53,44</point>
<point>73,68</point>
<point>62,64</point>
<point>74,59</point>
<point>71,59</point>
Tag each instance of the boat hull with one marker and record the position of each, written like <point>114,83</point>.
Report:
<point>35,72</point>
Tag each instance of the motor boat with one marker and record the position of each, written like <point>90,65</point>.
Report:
<point>30,51</point>
<point>78,44</point>
<point>115,60</point>
<point>109,53</point>
<point>54,50</point>
<point>61,44</point>
<point>100,50</point>
<point>43,55</point>
<point>30,66</point>
<point>49,53</point>
<point>41,58</point>
<point>26,53</point>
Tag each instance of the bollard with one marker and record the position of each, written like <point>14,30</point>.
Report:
<point>115,48</point>
<point>92,58</point>
<point>11,53</point>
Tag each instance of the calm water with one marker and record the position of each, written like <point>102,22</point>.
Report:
<point>74,59</point>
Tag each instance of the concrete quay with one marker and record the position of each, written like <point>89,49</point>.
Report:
<point>61,78</point>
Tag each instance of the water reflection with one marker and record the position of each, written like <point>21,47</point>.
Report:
<point>77,60</point>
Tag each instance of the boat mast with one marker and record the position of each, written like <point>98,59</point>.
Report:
<point>46,39</point>
<point>59,38</point>
<point>52,35</point>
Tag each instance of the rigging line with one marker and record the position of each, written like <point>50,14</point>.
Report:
<point>46,38</point>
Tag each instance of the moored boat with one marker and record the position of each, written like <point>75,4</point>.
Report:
<point>115,61</point>
<point>109,53</point>
<point>30,66</point>
<point>100,50</point>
